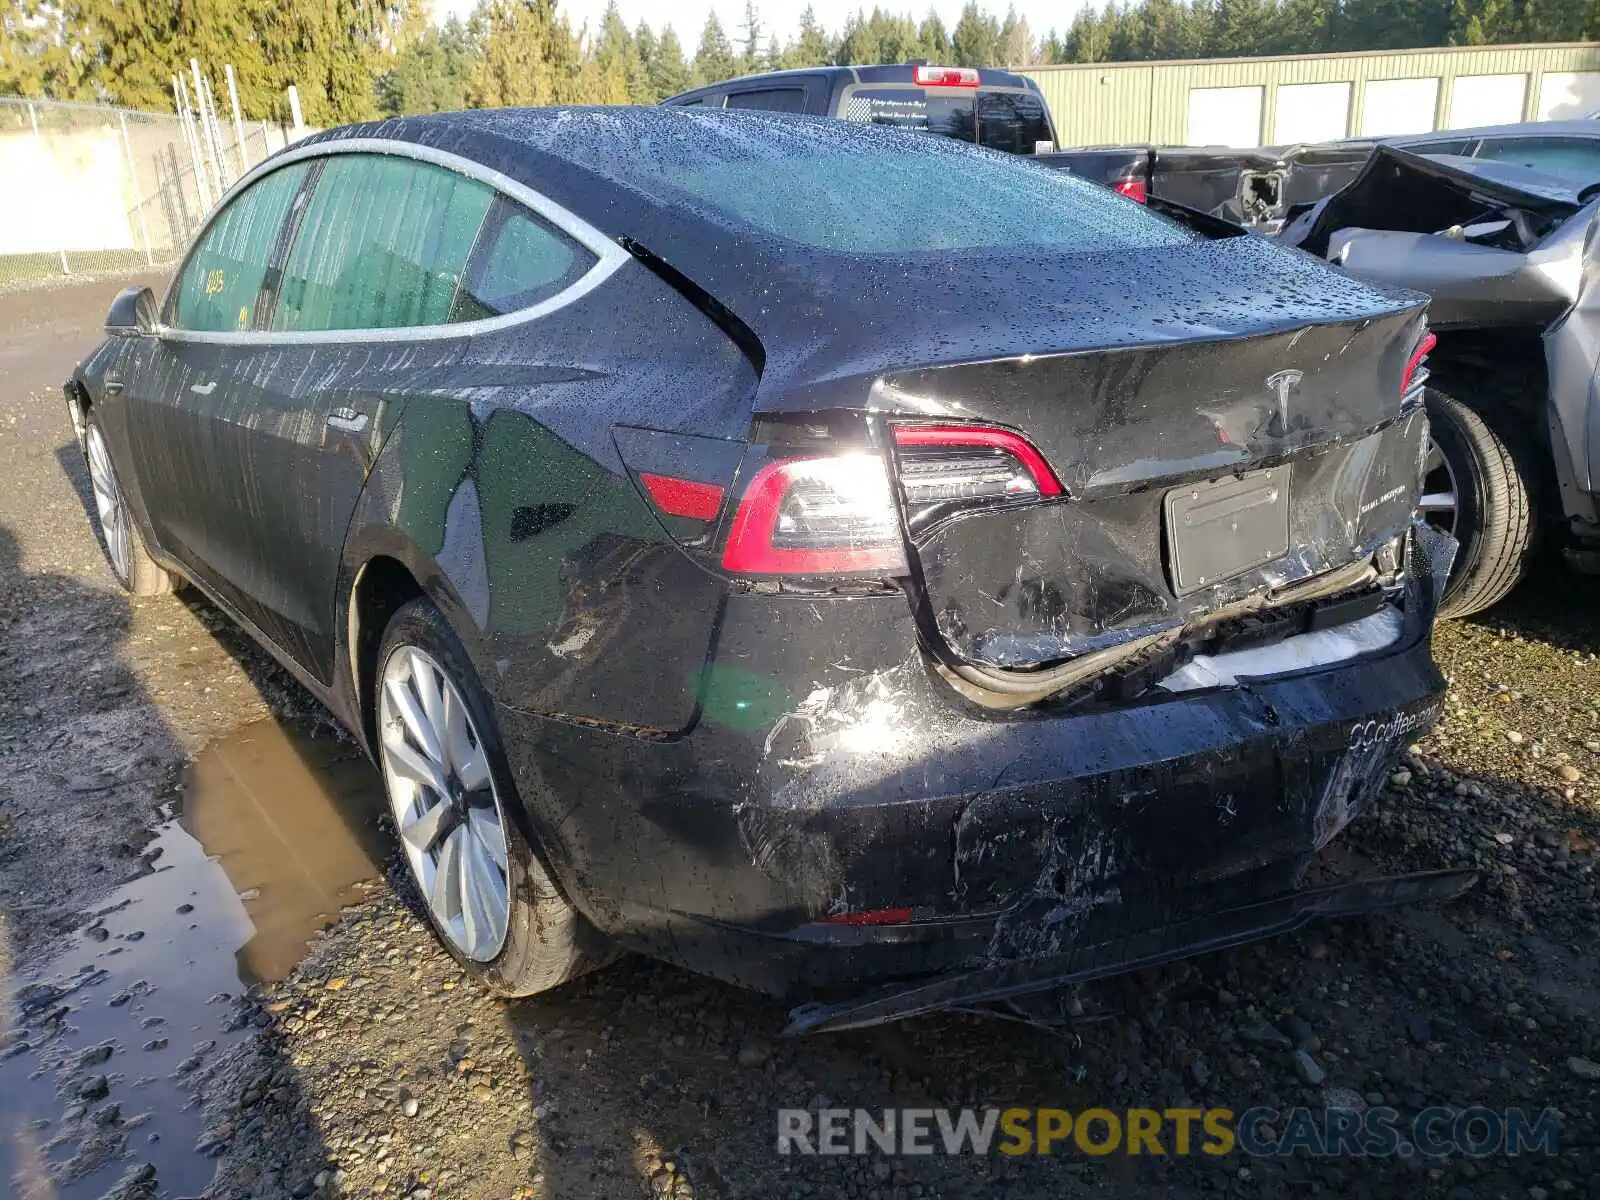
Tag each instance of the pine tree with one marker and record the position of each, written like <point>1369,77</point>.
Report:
<point>751,59</point>
<point>714,60</point>
<point>976,40</point>
<point>430,73</point>
<point>810,47</point>
<point>933,43</point>
<point>1016,41</point>
<point>669,71</point>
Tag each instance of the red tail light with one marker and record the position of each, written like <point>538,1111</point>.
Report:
<point>945,76</point>
<point>1428,342</point>
<point>1133,189</point>
<point>941,464</point>
<point>817,516</point>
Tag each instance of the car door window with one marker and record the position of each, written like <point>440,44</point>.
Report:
<point>221,280</point>
<point>519,262</point>
<point>786,99</point>
<point>1563,156</point>
<point>382,245</point>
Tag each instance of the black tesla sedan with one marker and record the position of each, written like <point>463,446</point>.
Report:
<point>854,564</point>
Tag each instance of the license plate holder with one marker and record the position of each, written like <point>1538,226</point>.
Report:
<point>1222,528</point>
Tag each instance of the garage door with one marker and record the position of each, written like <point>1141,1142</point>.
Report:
<point>1224,116</point>
<point>1311,112</point>
<point>1564,95</point>
<point>1393,106</point>
<point>1486,100</point>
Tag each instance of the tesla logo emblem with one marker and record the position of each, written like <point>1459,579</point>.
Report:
<point>1282,383</point>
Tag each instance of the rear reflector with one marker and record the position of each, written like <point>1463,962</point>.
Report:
<point>1428,342</point>
<point>945,76</point>
<point>942,464</point>
<point>871,916</point>
<point>1133,189</point>
<point>683,497</point>
<point>817,516</point>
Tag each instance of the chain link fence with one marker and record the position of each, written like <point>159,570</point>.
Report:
<point>93,188</point>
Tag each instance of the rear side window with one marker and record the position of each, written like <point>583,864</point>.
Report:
<point>914,108</point>
<point>1012,121</point>
<point>791,99</point>
<point>383,244</point>
<point>520,261</point>
<point>222,278</point>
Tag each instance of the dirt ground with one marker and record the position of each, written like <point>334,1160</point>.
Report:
<point>178,821</point>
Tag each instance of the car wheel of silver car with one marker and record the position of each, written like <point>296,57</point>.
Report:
<point>124,546</point>
<point>489,897</point>
<point>1477,489</point>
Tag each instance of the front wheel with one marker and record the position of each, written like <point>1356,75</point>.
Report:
<point>1480,492</point>
<point>124,546</point>
<point>489,898</point>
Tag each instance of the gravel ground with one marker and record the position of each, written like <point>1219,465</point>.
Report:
<point>376,1068</point>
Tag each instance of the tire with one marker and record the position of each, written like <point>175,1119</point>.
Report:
<point>545,941</point>
<point>120,539</point>
<point>1494,520</point>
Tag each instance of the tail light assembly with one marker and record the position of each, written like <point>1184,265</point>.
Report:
<point>1134,189</point>
<point>837,514</point>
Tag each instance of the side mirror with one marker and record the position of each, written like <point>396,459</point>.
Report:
<point>133,313</point>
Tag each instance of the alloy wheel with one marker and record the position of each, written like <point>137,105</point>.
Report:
<point>445,804</point>
<point>110,503</point>
<point>1438,504</point>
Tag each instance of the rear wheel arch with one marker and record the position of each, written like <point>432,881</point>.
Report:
<point>380,588</point>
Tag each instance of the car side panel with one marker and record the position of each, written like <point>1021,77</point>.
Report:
<point>509,502</point>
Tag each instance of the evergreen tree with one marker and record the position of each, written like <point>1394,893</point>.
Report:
<point>669,70</point>
<point>430,73</point>
<point>751,59</point>
<point>714,61</point>
<point>976,40</point>
<point>810,48</point>
<point>1016,41</point>
<point>933,42</point>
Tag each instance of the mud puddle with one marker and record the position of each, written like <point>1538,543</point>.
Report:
<point>108,1052</point>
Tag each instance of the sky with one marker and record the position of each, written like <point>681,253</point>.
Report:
<point>687,17</point>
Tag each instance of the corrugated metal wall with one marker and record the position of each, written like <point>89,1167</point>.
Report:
<point>1101,103</point>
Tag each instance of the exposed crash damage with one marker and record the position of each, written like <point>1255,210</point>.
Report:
<point>738,597</point>
<point>1505,252</point>
<point>1508,255</point>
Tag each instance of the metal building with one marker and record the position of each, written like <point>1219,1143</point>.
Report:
<point>1317,97</point>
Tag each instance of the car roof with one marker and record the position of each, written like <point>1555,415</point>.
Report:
<point>877,73</point>
<point>1585,128</point>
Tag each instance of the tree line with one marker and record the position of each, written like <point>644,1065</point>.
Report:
<point>354,59</point>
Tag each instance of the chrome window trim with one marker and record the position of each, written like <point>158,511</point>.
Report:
<point>609,256</point>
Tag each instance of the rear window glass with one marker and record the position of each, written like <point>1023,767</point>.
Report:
<point>913,108</point>
<point>858,190</point>
<point>1012,121</point>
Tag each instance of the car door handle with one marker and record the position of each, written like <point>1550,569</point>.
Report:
<point>203,389</point>
<point>347,420</point>
<point>111,385</point>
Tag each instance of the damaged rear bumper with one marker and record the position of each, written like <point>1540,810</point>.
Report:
<point>812,841</point>
<point>1095,959</point>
